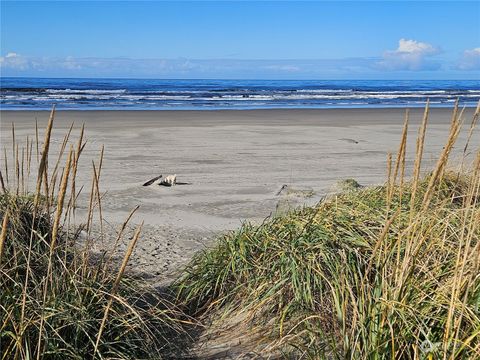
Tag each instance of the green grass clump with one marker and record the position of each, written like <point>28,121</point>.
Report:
<point>58,300</point>
<point>378,273</point>
<point>71,297</point>
<point>333,288</point>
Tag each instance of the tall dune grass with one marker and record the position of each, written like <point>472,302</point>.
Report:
<point>374,273</point>
<point>55,302</point>
<point>389,272</point>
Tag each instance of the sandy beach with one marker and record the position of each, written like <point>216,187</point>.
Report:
<point>235,161</point>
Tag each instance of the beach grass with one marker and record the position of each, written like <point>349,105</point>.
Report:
<point>59,299</point>
<point>382,272</point>
<point>372,273</point>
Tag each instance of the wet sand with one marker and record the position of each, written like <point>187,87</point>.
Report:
<point>236,162</point>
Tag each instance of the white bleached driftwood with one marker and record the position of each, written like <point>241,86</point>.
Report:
<point>151,181</point>
<point>169,180</point>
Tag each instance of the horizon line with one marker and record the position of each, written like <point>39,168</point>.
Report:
<point>231,79</point>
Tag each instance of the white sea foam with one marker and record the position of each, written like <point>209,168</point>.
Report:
<point>102,96</point>
<point>85,91</point>
<point>315,91</point>
<point>121,94</point>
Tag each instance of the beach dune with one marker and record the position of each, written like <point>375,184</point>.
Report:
<point>235,164</point>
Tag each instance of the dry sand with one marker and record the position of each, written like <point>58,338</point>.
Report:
<point>236,162</point>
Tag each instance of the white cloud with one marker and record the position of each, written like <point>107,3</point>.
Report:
<point>415,47</point>
<point>470,60</point>
<point>14,65</point>
<point>411,55</point>
<point>17,63</point>
<point>14,61</point>
<point>286,68</point>
<point>71,64</point>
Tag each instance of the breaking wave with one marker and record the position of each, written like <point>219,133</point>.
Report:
<point>35,94</point>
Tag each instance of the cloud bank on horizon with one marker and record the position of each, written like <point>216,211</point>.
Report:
<point>411,56</point>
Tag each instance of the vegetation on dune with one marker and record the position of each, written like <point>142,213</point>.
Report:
<point>55,301</point>
<point>369,273</point>
<point>374,273</point>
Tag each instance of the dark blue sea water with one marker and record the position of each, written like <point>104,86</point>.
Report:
<point>138,94</point>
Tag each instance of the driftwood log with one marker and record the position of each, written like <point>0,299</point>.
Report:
<point>151,181</point>
<point>169,180</point>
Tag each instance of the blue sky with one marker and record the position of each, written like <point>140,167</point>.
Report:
<point>271,40</point>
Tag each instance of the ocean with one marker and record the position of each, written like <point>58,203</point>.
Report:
<point>143,94</point>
